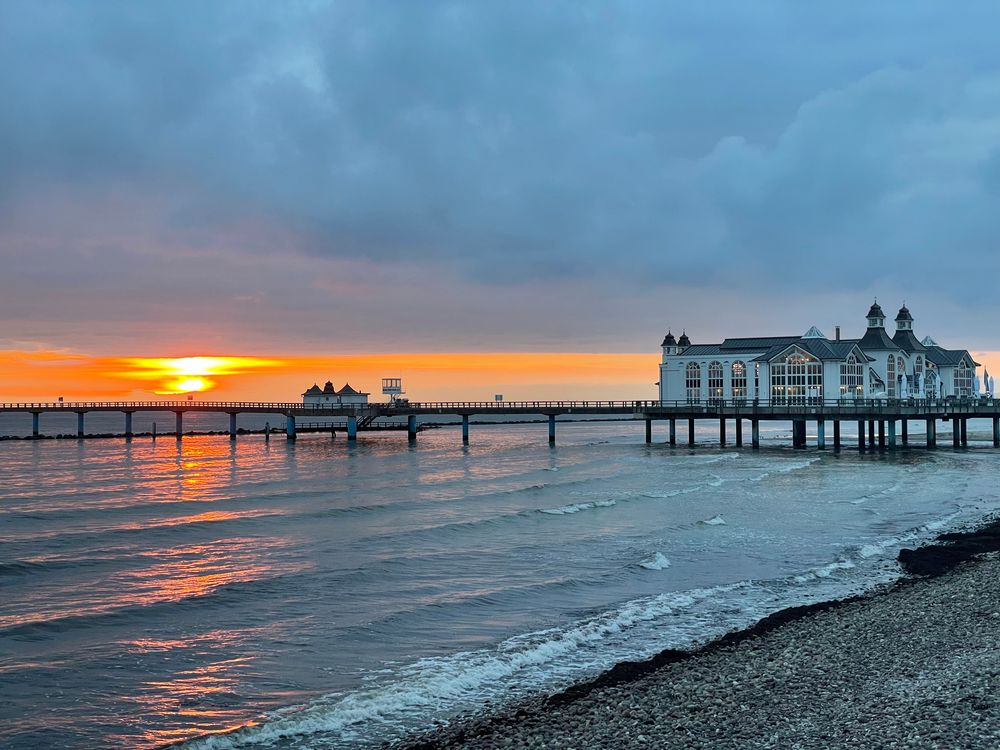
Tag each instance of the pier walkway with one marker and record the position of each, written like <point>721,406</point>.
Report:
<point>889,418</point>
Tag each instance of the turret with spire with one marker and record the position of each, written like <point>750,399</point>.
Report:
<point>904,338</point>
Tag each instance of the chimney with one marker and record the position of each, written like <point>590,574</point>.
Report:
<point>838,333</point>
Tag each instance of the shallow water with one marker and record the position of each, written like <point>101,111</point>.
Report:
<point>322,594</point>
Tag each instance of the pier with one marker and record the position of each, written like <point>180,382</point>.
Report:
<point>890,418</point>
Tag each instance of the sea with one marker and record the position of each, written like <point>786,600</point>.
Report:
<point>325,594</point>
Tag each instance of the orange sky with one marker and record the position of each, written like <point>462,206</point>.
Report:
<point>46,375</point>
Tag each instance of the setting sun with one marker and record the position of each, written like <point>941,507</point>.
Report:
<point>191,374</point>
<point>192,384</point>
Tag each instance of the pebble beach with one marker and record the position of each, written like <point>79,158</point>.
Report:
<point>913,665</point>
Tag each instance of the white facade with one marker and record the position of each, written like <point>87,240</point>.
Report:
<point>811,367</point>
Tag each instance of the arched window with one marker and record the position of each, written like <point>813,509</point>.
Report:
<point>692,381</point>
<point>739,379</point>
<point>931,387</point>
<point>715,383</point>
<point>890,377</point>
<point>918,376</point>
<point>796,380</point>
<point>852,378</point>
<point>963,379</point>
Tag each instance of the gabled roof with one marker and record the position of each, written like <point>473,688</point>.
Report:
<point>877,340</point>
<point>759,343</point>
<point>822,349</point>
<point>348,391</point>
<point>314,391</point>
<point>813,333</point>
<point>948,357</point>
<point>906,341</point>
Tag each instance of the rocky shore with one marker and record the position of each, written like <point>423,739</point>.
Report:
<point>915,665</point>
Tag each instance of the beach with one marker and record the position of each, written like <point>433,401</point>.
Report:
<point>912,665</point>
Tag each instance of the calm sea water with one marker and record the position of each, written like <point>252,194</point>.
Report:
<point>328,595</point>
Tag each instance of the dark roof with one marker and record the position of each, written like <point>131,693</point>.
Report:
<point>314,391</point>
<point>757,343</point>
<point>669,340</point>
<point>947,357</point>
<point>348,391</point>
<point>904,314</point>
<point>328,388</point>
<point>906,341</point>
<point>703,350</point>
<point>819,348</point>
<point>875,311</point>
<point>684,340</point>
<point>877,340</point>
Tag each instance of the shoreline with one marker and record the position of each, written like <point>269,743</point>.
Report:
<point>588,713</point>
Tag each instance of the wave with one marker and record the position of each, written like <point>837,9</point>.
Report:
<point>657,562</point>
<point>577,507</point>
<point>716,520</point>
<point>787,468</point>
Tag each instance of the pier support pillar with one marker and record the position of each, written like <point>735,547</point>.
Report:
<point>673,431</point>
<point>411,427</point>
<point>932,433</point>
<point>996,432</point>
<point>34,423</point>
<point>690,432</point>
<point>722,431</point>
<point>128,425</point>
<point>739,433</point>
<point>552,428</point>
<point>232,425</point>
<point>965,434</point>
<point>755,433</point>
<point>79,423</point>
<point>465,428</point>
<point>836,434</point>
<point>871,433</point>
<point>956,438</point>
<point>289,427</point>
<point>861,436</point>
<point>352,427</point>
<point>267,432</point>
<point>649,430</point>
<point>179,424</point>
<point>906,432</point>
<point>892,433</point>
<point>881,434</point>
<point>821,434</point>
<point>798,433</point>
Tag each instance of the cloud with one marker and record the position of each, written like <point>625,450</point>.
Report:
<point>654,150</point>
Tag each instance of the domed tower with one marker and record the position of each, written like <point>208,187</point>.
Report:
<point>669,344</point>
<point>683,343</point>
<point>876,318</point>
<point>904,321</point>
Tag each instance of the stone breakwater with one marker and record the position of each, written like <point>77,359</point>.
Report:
<point>915,665</point>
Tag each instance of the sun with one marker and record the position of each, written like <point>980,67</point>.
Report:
<point>177,375</point>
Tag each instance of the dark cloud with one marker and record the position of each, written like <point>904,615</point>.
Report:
<point>771,146</point>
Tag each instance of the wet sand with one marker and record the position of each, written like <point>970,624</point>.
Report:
<point>914,665</point>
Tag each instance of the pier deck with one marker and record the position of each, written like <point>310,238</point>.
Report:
<point>885,413</point>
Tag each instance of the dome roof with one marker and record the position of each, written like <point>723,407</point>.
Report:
<point>904,314</point>
<point>684,340</point>
<point>876,311</point>
<point>328,388</point>
<point>669,340</point>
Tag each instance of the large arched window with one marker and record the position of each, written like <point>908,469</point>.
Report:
<point>890,377</point>
<point>796,380</point>
<point>692,381</point>
<point>852,378</point>
<point>918,377</point>
<point>739,379</point>
<point>715,382</point>
<point>963,379</point>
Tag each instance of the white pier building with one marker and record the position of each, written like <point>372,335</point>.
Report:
<point>813,368</point>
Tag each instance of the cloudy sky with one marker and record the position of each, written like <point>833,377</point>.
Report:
<point>361,177</point>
